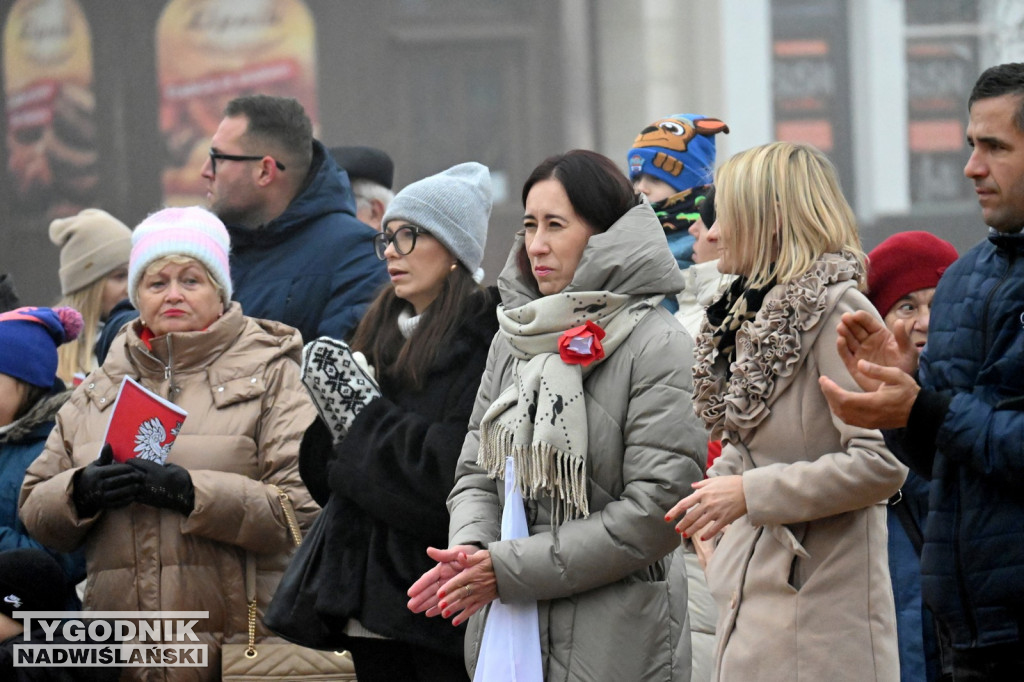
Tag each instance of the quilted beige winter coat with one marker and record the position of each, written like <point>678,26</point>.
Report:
<point>802,580</point>
<point>239,381</point>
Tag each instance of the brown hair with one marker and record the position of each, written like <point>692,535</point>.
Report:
<point>276,121</point>
<point>599,192</point>
<point>406,361</point>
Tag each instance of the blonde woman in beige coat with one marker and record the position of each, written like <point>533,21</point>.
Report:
<point>176,537</point>
<point>800,573</point>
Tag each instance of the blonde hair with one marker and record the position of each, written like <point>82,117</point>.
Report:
<point>77,355</point>
<point>780,208</point>
<point>175,259</point>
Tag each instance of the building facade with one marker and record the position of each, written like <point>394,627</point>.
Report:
<point>110,103</point>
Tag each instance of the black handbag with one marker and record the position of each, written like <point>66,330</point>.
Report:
<point>292,614</point>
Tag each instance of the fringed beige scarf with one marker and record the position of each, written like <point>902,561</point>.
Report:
<point>541,419</point>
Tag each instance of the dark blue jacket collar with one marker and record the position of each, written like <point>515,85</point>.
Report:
<point>326,190</point>
<point>1008,241</point>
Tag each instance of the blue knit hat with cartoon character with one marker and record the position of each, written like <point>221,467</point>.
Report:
<point>679,150</point>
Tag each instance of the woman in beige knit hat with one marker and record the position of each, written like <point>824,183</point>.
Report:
<point>94,248</point>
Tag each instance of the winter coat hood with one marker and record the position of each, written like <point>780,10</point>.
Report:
<point>630,257</point>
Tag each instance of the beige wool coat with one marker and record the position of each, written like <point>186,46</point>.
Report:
<point>610,607</point>
<point>802,580</point>
<point>239,381</point>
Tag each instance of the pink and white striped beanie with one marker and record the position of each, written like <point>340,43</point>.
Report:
<point>188,231</point>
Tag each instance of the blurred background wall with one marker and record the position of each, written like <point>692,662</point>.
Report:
<point>110,103</point>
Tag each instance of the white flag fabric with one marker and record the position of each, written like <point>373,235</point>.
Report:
<point>510,651</point>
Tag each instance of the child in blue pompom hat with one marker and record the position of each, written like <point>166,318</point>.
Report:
<point>672,162</point>
<point>30,396</point>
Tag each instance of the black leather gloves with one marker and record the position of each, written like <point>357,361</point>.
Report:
<point>104,484</point>
<point>165,485</point>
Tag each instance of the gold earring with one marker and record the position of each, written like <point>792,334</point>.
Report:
<point>454,265</point>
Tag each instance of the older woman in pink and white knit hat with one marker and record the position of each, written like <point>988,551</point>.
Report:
<point>178,536</point>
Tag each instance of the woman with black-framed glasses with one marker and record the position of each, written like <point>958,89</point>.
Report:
<point>387,466</point>
<point>403,237</point>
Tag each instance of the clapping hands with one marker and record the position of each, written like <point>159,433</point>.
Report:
<point>882,363</point>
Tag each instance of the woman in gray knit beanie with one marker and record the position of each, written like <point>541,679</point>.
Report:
<point>382,467</point>
<point>453,207</point>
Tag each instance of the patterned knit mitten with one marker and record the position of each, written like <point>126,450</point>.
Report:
<point>338,382</point>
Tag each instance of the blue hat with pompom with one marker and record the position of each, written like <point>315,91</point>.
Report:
<point>28,342</point>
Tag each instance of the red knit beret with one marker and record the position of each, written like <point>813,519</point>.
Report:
<point>904,263</point>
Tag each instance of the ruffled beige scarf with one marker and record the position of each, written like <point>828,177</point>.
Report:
<point>731,398</point>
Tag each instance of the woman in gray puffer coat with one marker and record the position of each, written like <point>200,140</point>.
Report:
<point>585,403</point>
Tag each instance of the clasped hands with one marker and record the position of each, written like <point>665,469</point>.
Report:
<point>106,484</point>
<point>883,363</point>
<point>461,584</point>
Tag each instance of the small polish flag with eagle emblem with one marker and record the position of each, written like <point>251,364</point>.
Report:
<point>142,424</point>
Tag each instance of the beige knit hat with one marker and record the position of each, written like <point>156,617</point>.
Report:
<point>92,244</point>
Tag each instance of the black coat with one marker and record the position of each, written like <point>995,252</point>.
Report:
<point>390,478</point>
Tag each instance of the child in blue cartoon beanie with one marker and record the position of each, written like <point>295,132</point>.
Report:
<point>672,162</point>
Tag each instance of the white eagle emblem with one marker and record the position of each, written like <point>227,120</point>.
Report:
<point>149,440</point>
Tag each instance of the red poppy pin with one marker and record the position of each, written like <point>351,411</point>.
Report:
<point>581,345</point>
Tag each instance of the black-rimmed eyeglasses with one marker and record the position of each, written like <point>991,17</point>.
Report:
<point>404,239</point>
<point>217,156</point>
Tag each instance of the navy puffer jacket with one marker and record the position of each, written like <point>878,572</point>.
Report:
<point>312,267</point>
<point>967,434</point>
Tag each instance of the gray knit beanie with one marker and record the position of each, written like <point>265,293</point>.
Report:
<point>453,206</point>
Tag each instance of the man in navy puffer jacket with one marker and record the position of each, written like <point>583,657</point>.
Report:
<point>961,425</point>
<point>298,253</point>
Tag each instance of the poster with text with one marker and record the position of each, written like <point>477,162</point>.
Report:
<point>211,51</point>
<point>52,159</point>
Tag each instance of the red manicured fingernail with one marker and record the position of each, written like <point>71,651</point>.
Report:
<point>442,594</point>
<point>443,605</point>
<point>445,613</point>
<point>685,536</point>
<point>668,518</point>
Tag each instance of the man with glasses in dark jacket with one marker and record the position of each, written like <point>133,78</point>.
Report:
<point>298,253</point>
<point>960,424</point>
